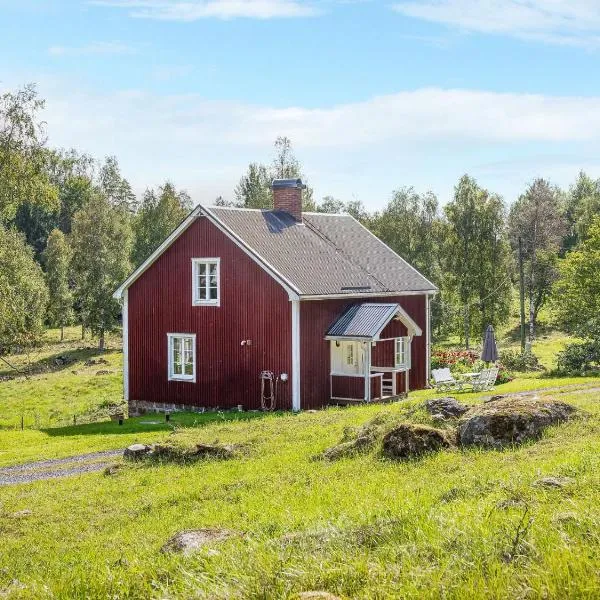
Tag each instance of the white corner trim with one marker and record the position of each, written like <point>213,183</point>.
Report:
<point>195,300</point>
<point>296,387</point>
<point>125,316</point>
<point>427,339</point>
<point>170,376</point>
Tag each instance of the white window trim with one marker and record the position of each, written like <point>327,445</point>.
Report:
<point>195,300</point>
<point>172,377</point>
<point>407,350</point>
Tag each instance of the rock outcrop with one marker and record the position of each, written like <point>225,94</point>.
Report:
<point>445,408</point>
<point>511,420</point>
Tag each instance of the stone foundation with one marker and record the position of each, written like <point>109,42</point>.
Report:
<point>141,407</point>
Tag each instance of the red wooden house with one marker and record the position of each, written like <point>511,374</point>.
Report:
<point>240,302</point>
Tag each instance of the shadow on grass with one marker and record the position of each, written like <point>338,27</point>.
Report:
<point>154,422</point>
<point>67,359</point>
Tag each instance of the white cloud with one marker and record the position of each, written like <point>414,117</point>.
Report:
<point>427,138</point>
<point>563,22</point>
<point>193,10</point>
<point>94,48</point>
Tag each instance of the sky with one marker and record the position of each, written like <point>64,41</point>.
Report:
<point>375,95</point>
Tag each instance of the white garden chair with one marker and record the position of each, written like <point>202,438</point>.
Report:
<point>443,380</point>
<point>483,381</point>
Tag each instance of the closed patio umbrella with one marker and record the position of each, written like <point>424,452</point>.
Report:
<point>490,350</point>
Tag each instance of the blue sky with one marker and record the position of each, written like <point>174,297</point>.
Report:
<point>374,95</point>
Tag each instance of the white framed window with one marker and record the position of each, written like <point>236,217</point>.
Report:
<point>350,355</point>
<point>206,281</point>
<point>182,356</point>
<point>402,352</point>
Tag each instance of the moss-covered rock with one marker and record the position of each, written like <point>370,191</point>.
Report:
<point>408,441</point>
<point>509,421</point>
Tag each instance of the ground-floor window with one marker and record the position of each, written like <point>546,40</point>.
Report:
<point>182,356</point>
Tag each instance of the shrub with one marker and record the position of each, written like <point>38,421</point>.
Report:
<point>578,358</point>
<point>520,361</point>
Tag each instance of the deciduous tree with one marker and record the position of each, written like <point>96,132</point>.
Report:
<point>576,293</point>
<point>23,173</point>
<point>23,293</point>
<point>538,218</point>
<point>102,241</point>
<point>57,259</point>
<point>159,213</point>
<point>476,258</point>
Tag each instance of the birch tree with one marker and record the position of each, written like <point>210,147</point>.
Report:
<point>57,258</point>
<point>23,293</point>
<point>102,243</point>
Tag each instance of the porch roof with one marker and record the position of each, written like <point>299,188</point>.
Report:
<point>366,321</point>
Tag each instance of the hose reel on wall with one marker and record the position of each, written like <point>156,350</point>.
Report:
<point>268,390</point>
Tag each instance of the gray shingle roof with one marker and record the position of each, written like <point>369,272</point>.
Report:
<point>362,320</point>
<point>323,255</point>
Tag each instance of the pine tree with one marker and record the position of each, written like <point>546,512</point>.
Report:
<point>57,258</point>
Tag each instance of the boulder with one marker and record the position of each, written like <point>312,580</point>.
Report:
<point>187,542</point>
<point>408,440</point>
<point>511,420</point>
<point>447,408</point>
<point>136,451</point>
<point>554,482</point>
<point>214,451</point>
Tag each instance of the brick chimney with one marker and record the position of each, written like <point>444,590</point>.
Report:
<point>287,196</point>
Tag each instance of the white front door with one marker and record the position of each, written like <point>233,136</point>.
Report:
<point>347,357</point>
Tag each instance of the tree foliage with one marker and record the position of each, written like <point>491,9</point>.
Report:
<point>23,161</point>
<point>576,293</point>
<point>160,212</point>
<point>538,219</point>
<point>102,243</point>
<point>57,259</point>
<point>476,258</point>
<point>23,293</point>
<point>254,188</point>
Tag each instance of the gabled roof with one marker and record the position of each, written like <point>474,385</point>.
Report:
<point>324,255</point>
<point>367,320</point>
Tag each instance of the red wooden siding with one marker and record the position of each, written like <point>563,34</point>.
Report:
<point>383,354</point>
<point>347,387</point>
<point>253,307</point>
<point>315,318</point>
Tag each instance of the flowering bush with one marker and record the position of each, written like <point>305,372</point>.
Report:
<point>465,361</point>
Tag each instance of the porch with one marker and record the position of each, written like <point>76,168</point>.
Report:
<point>370,353</point>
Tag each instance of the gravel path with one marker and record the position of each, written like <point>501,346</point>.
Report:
<point>57,467</point>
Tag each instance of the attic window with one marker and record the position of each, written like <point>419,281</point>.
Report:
<point>206,284</point>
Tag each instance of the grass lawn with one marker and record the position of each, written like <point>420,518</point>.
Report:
<point>457,524</point>
<point>363,527</point>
